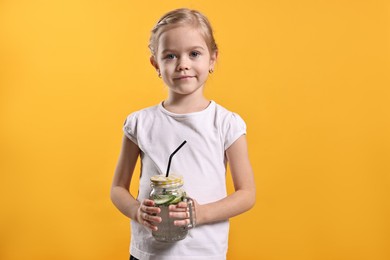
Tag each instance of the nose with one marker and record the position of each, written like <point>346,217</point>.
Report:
<point>183,64</point>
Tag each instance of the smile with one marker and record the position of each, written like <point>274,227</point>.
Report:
<point>183,77</point>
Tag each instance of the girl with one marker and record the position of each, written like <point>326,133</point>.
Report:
<point>184,53</point>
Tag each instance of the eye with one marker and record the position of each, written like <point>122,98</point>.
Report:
<point>170,56</point>
<point>194,54</point>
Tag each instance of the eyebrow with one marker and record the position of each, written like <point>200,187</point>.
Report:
<point>191,48</point>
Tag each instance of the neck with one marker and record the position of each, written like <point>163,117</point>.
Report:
<point>182,104</point>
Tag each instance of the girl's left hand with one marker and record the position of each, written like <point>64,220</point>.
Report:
<point>181,212</point>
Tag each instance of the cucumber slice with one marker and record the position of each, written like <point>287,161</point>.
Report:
<point>176,200</point>
<point>163,199</point>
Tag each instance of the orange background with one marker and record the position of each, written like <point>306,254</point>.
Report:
<point>311,79</point>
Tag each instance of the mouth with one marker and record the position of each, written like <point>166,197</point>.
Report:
<point>184,77</point>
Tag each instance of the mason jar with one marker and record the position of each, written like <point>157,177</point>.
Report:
<point>168,191</point>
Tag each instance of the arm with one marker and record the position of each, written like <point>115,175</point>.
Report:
<point>244,195</point>
<point>120,195</point>
<point>236,203</point>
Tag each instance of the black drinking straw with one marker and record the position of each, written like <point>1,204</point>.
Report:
<point>170,157</point>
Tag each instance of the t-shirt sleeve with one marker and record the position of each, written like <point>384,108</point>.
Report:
<point>236,127</point>
<point>130,128</point>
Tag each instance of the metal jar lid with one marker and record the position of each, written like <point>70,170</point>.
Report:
<point>166,182</point>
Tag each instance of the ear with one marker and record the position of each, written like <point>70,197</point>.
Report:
<point>213,59</point>
<point>154,63</point>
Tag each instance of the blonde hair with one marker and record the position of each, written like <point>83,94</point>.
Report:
<point>183,16</point>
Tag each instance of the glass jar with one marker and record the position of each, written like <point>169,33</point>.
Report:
<point>168,191</point>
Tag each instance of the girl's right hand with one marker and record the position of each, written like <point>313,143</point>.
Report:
<point>146,214</point>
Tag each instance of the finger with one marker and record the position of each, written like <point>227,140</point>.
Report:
<point>151,219</point>
<point>148,202</point>
<point>179,215</point>
<point>177,208</point>
<point>181,223</point>
<point>149,225</point>
<point>182,204</point>
<point>150,210</point>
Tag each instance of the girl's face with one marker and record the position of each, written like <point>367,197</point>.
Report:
<point>183,59</point>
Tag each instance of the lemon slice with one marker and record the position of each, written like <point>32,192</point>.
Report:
<point>163,199</point>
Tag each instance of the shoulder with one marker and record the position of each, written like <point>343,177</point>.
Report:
<point>140,119</point>
<point>143,113</point>
<point>232,126</point>
<point>226,116</point>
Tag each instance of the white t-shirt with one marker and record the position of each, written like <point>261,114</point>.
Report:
<point>201,162</point>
